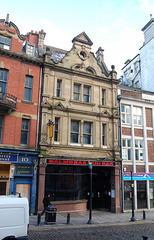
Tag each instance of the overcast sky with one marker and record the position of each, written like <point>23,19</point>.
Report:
<point>114,25</point>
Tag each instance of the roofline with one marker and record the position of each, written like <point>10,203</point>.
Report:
<point>148,24</point>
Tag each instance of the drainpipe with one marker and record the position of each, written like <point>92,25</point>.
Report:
<point>39,130</point>
<point>121,167</point>
<point>112,67</point>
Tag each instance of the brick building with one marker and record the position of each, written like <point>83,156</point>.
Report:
<point>137,134</point>
<point>137,144</point>
<point>20,75</point>
<point>79,108</point>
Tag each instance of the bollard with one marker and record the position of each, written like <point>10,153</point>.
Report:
<point>145,237</point>
<point>143,214</point>
<point>38,218</point>
<point>68,218</point>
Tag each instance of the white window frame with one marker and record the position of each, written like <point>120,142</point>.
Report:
<point>126,115</point>
<point>59,88</point>
<point>78,133</point>
<point>87,134</point>
<point>77,93</point>
<point>30,49</point>
<point>126,148</point>
<point>5,42</point>
<point>139,149</point>
<point>88,94</point>
<point>137,116</point>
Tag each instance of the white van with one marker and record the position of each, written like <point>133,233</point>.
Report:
<point>14,217</point>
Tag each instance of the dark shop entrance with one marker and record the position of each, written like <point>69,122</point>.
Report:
<point>67,183</point>
<point>101,188</point>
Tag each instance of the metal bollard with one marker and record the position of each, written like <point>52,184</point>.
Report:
<point>68,218</point>
<point>144,214</point>
<point>38,218</point>
<point>145,237</point>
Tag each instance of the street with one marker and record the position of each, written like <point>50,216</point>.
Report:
<point>131,231</point>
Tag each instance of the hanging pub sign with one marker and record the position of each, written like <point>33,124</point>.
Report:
<point>80,163</point>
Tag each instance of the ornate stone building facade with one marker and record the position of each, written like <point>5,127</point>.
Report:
<point>79,124</point>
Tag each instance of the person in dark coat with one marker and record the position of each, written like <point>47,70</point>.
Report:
<point>46,203</point>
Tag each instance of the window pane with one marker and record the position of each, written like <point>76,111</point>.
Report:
<point>58,88</point>
<point>74,131</point>
<point>74,138</point>
<point>141,144</point>
<point>24,132</point>
<point>124,154</point>
<point>127,118</point>
<point>122,109</point>
<point>127,109</point>
<point>74,126</point>
<point>129,154</point>
<point>129,143</point>
<point>56,132</point>
<point>137,155</point>
<point>136,143</point>
<point>124,143</point>
<point>86,90</point>
<point>5,42</point>
<point>86,98</point>
<point>87,139</point>
<point>87,128</point>
<point>123,118</point>
<point>3,80</point>
<point>28,88</point>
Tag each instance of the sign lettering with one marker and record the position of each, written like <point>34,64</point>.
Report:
<point>80,163</point>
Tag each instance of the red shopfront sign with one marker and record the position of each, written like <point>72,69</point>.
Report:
<point>79,163</point>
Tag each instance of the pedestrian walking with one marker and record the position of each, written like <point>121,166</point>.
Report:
<point>46,203</point>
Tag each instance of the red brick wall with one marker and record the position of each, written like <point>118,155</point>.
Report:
<point>140,168</point>
<point>148,112</point>
<point>15,86</point>
<point>149,133</point>
<point>126,131</point>
<point>150,151</point>
<point>129,168</point>
<point>138,132</point>
<point>131,94</point>
<point>151,169</point>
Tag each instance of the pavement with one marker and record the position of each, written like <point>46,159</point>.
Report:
<point>99,218</point>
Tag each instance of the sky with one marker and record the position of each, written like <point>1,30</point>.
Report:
<point>114,25</point>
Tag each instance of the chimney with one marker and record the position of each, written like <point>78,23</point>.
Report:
<point>41,38</point>
<point>100,55</point>
<point>148,30</point>
<point>7,20</point>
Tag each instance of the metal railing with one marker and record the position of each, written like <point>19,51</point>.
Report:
<point>9,99</point>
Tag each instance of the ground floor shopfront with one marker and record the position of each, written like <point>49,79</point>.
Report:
<point>143,190</point>
<point>68,182</point>
<point>18,173</point>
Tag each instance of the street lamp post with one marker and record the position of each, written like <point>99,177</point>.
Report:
<point>132,187</point>
<point>90,200</point>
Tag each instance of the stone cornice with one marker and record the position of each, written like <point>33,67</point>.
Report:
<point>78,73</point>
<point>19,56</point>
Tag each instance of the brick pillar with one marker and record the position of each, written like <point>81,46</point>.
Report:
<point>115,190</point>
<point>41,187</point>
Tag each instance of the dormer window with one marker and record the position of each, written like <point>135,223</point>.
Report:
<point>30,49</point>
<point>5,42</point>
